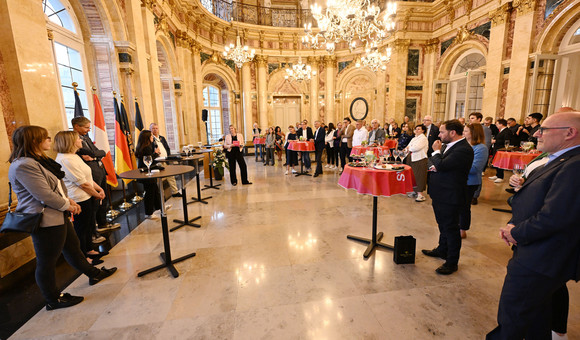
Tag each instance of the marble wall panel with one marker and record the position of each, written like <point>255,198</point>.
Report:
<point>6,107</point>
<point>15,256</point>
<point>93,18</point>
<point>503,93</point>
<point>510,37</point>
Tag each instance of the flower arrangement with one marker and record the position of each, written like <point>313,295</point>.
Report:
<point>301,138</point>
<point>219,160</point>
<point>364,143</point>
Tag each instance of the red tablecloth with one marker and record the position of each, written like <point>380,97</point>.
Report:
<point>377,182</point>
<point>258,141</point>
<point>301,145</point>
<point>390,143</point>
<point>360,150</point>
<point>506,160</point>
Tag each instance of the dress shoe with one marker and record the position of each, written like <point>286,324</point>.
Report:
<point>234,184</point>
<point>315,175</point>
<point>177,194</point>
<point>474,201</point>
<point>511,190</point>
<point>63,301</point>
<point>103,274</point>
<point>434,253</point>
<point>247,183</point>
<point>95,262</point>
<point>446,269</point>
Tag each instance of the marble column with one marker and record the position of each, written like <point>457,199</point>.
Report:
<point>200,133</point>
<point>262,62</point>
<point>30,70</point>
<point>381,90</point>
<point>429,59</point>
<point>313,62</point>
<point>494,67</point>
<point>398,80</point>
<point>247,100</point>
<point>184,95</point>
<point>155,92</point>
<point>517,92</point>
<point>330,67</point>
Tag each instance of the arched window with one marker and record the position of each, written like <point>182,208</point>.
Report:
<point>466,85</point>
<point>212,103</point>
<point>69,56</point>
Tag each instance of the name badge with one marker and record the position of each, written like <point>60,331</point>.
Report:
<point>236,143</point>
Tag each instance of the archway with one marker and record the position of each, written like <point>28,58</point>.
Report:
<point>168,95</point>
<point>216,100</point>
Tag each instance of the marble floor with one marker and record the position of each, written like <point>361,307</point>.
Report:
<point>273,262</point>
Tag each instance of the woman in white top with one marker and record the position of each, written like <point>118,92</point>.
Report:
<point>418,148</point>
<point>81,188</point>
<point>329,144</point>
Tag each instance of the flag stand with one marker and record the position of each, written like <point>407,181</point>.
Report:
<point>125,205</point>
<point>112,213</point>
<point>137,197</point>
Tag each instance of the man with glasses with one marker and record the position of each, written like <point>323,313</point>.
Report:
<point>544,234</point>
<point>432,133</point>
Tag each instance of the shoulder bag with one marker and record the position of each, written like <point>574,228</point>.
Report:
<point>20,222</point>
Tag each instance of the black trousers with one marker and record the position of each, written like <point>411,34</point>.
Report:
<point>465,216</point>
<point>525,305</point>
<point>329,154</point>
<point>447,216</point>
<point>100,177</point>
<point>499,173</point>
<point>152,197</point>
<point>318,158</point>
<point>336,152</point>
<point>344,153</point>
<point>84,223</point>
<point>49,243</point>
<point>236,156</point>
<point>560,306</point>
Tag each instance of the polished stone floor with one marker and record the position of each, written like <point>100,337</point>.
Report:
<point>273,262</point>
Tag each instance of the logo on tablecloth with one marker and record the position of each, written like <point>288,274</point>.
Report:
<point>401,177</point>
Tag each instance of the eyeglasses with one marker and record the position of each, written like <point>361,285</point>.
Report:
<point>541,129</point>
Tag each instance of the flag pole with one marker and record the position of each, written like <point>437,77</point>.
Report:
<point>137,198</point>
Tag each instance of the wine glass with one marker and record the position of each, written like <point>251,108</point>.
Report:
<point>148,160</point>
<point>519,170</point>
<point>506,144</point>
<point>405,152</point>
<point>522,145</point>
<point>199,144</point>
<point>396,155</point>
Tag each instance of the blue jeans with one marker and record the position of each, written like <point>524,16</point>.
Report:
<point>259,148</point>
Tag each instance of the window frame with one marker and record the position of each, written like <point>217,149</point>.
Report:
<point>210,120</point>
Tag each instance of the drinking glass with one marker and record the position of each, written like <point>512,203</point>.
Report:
<point>506,144</point>
<point>519,170</point>
<point>199,144</point>
<point>148,160</point>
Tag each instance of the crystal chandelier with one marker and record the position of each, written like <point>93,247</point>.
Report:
<point>374,59</point>
<point>299,72</point>
<point>349,20</point>
<point>238,54</point>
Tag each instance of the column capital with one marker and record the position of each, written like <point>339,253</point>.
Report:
<point>431,45</point>
<point>401,45</point>
<point>330,61</point>
<point>524,6</point>
<point>312,61</point>
<point>149,4</point>
<point>500,15</point>
<point>261,60</point>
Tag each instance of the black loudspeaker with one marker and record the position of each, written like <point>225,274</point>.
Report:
<point>404,249</point>
<point>204,115</point>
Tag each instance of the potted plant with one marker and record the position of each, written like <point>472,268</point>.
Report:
<point>219,162</point>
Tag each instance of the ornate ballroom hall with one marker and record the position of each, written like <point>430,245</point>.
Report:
<point>272,259</point>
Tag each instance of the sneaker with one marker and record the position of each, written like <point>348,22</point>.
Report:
<point>327,166</point>
<point>109,227</point>
<point>294,171</point>
<point>492,178</point>
<point>412,194</point>
<point>98,239</point>
<point>420,198</point>
<point>498,180</point>
<point>286,173</point>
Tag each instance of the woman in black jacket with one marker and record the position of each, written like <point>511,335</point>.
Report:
<point>152,195</point>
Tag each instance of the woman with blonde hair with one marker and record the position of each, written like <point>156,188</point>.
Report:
<point>81,189</point>
<point>37,182</point>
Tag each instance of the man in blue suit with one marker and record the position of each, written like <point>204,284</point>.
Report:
<point>318,146</point>
<point>544,233</point>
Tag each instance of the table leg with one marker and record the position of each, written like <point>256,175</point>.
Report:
<point>166,254</point>
<point>198,199</point>
<point>302,172</point>
<point>375,241</point>
<point>186,220</point>
<point>211,185</point>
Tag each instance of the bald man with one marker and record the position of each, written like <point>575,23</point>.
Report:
<point>544,232</point>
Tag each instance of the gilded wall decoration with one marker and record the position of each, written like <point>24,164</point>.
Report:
<point>510,37</point>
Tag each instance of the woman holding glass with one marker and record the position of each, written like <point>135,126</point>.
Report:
<point>81,189</point>
<point>234,144</point>
<point>418,147</point>
<point>37,182</point>
<point>474,134</point>
<point>291,156</point>
<point>145,157</point>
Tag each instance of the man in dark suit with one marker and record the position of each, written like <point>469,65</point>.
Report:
<point>318,146</point>
<point>432,133</point>
<point>514,126</point>
<point>544,232</point>
<point>92,157</point>
<point>449,166</point>
<point>306,132</point>
<point>504,135</point>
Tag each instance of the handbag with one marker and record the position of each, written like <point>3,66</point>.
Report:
<point>404,251</point>
<point>20,222</point>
